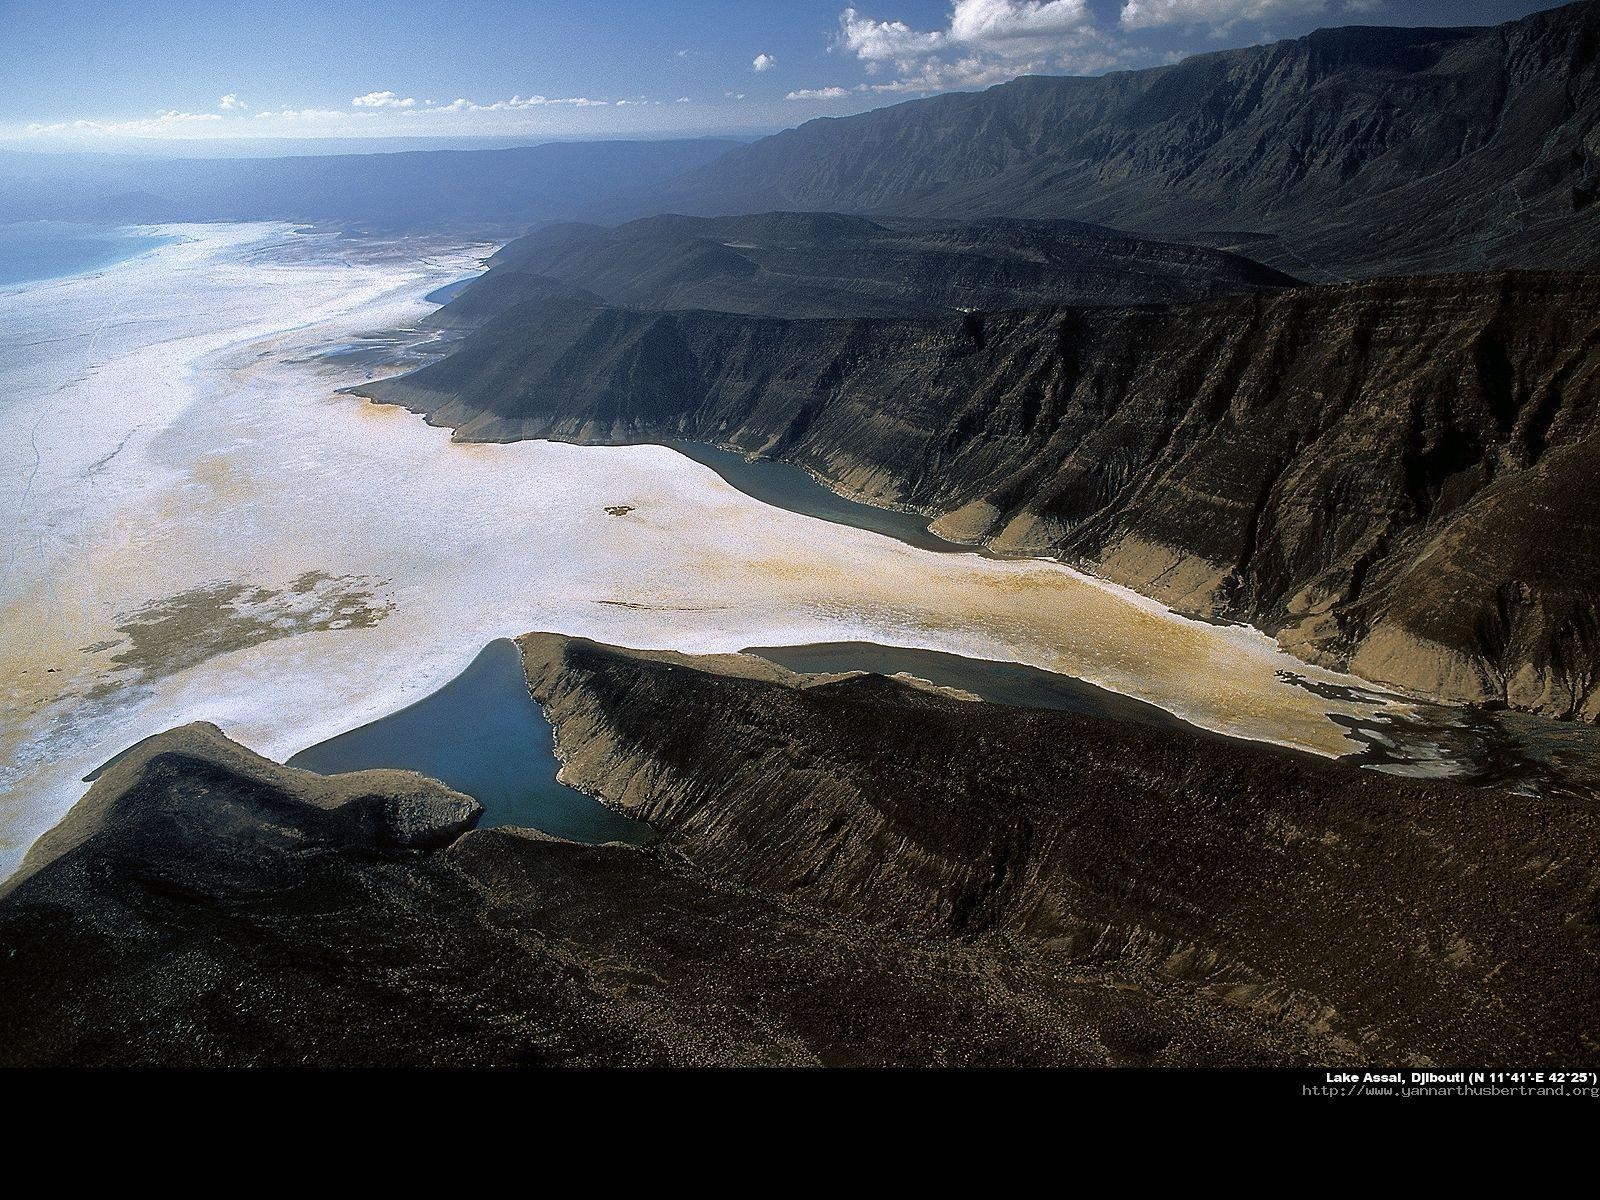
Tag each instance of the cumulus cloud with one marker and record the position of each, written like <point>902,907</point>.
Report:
<point>231,102</point>
<point>986,41</point>
<point>989,41</point>
<point>1016,26</point>
<point>383,100</point>
<point>1005,28</point>
<point>827,93</point>
<point>763,62</point>
<point>884,41</point>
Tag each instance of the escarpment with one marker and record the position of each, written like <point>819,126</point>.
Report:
<point>1388,475</point>
<point>205,907</point>
<point>1347,152</point>
<point>850,869</point>
<point>1417,918</point>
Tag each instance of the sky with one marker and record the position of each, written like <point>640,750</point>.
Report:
<point>76,74</point>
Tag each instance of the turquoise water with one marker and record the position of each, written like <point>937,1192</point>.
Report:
<point>483,735</point>
<point>34,250</point>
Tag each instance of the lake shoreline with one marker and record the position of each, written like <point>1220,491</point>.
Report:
<point>1424,738</point>
<point>407,551</point>
<point>482,735</point>
<point>43,252</point>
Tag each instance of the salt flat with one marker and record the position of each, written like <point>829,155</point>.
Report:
<point>203,529</point>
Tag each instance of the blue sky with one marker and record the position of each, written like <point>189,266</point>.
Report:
<point>105,74</point>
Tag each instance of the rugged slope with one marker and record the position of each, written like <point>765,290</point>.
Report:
<point>850,870</point>
<point>1411,921</point>
<point>1388,474</point>
<point>205,907</point>
<point>1349,151</point>
<point>827,265</point>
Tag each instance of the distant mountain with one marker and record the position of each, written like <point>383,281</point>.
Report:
<point>1394,476</point>
<point>1349,151</point>
<point>432,188</point>
<point>825,265</point>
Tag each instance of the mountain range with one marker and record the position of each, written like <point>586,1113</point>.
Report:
<point>1352,151</point>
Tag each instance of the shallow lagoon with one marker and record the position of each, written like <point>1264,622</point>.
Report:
<point>483,735</point>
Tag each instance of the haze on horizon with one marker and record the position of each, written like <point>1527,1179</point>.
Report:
<point>187,77</point>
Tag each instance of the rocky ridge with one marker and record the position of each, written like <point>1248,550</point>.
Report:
<point>1348,152</point>
<point>849,870</point>
<point>1371,471</point>
<point>796,264</point>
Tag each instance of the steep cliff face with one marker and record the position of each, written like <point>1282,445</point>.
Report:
<point>205,907</point>
<point>1349,151</point>
<point>1413,921</point>
<point>826,265</point>
<point>1389,475</point>
<point>850,870</point>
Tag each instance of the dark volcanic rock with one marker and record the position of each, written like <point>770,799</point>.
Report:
<point>373,809</point>
<point>1416,922</point>
<point>851,870</point>
<point>1349,151</point>
<point>1391,475</point>
<point>826,265</point>
<point>206,907</point>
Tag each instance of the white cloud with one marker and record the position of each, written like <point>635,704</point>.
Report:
<point>884,41</point>
<point>1006,28</point>
<point>167,124</point>
<point>1147,14</point>
<point>972,71</point>
<point>986,41</point>
<point>520,102</point>
<point>827,93</point>
<point>763,62</point>
<point>383,100</point>
<point>230,102</point>
<point>379,117</point>
<point>683,100</point>
<point>990,41</point>
<point>303,115</point>
<point>733,95</point>
<point>1000,25</point>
